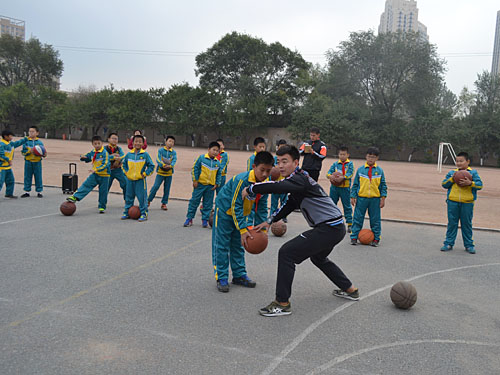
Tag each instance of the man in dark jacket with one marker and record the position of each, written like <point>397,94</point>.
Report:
<point>314,152</point>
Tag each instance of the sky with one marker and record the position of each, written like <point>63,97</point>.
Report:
<point>153,43</point>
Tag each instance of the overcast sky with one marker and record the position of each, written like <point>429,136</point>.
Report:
<point>463,31</point>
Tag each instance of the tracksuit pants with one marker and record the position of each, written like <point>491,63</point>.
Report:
<point>7,177</point>
<point>222,183</point>
<point>316,244</point>
<point>462,212</point>
<point>277,200</point>
<point>344,193</point>
<point>226,247</point>
<point>167,182</point>
<point>136,188</point>
<point>33,169</point>
<point>89,184</point>
<point>205,192</point>
<point>117,174</point>
<point>313,173</point>
<point>373,207</point>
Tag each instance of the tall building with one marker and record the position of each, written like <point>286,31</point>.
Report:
<point>495,65</point>
<point>11,26</point>
<point>401,16</point>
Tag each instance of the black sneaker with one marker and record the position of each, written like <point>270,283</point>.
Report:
<point>349,228</point>
<point>354,296</point>
<point>276,309</point>
<point>354,241</point>
<point>244,281</point>
<point>11,196</point>
<point>375,243</point>
<point>223,285</point>
<point>39,195</point>
<point>25,195</point>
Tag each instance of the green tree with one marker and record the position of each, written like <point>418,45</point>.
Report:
<point>16,105</point>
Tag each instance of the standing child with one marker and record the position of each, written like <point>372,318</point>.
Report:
<point>100,171</point>
<point>7,146</point>
<point>32,163</point>
<point>224,161</point>
<point>460,201</point>
<point>259,145</point>
<point>131,140</point>
<point>116,155</point>
<point>137,165</point>
<point>230,225</point>
<point>368,192</point>
<point>206,177</point>
<point>278,200</point>
<point>166,159</point>
<point>343,191</point>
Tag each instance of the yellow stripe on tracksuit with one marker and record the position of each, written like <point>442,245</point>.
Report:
<point>233,214</point>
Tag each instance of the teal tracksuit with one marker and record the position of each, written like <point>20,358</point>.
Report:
<point>277,200</point>
<point>163,176</point>
<point>208,173</point>
<point>251,217</point>
<point>229,223</point>
<point>223,157</point>
<point>6,156</point>
<point>100,176</point>
<point>460,202</point>
<point>116,173</point>
<point>32,165</point>
<point>137,166</point>
<point>369,185</point>
<point>344,190</point>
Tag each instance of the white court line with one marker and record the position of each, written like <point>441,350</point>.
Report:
<point>296,342</point>
<point>345,357</point>
<point>28,218</point>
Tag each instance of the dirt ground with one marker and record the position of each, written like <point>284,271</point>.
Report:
<point>414,189</point>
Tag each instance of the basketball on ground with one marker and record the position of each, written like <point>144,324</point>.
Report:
<point>366,236</point>
<point>259,242</point>
<point>278,228</point>
<point>134,212</point>
<point>67,208</point>
<point>460,175</point>
<point>403,295</point>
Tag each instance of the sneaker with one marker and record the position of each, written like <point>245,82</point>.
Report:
<point>244,281</point>
<point>71,199</point>
<point>223,285</point>
<point>142,218</point>
<point>470,250</point>
<point>11,196</point>
<point>125,217</point>
<point>447,248</point>
<point>276,309</point>
<point>25,195</point>
<point>164,207</point>
<point>354,296</point>
<point>102,211</point>
<point>188,222</point>
<point>349,228</point>
<point>39,195</point>
<point>285,220</point>
<point>375,243</point>
<point>354,241</point>
<point>204,223</point>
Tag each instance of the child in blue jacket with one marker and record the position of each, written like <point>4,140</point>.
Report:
<point>166,159</point>
<point>32,163</point>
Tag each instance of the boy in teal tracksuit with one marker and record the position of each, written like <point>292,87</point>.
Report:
<point>116,155</point>
<point>205,173</point>
<point>346,167</point>
<point>230,224</point>
<point>166,159</point>
<point>7,146</point>
<point>368,192</point>
<point>460,202</point>
<point>259,145</point>
<point>99,158</point>
<point>137,165</point>
<point>32,163</point>
<point>224,161</point>
<point>278,200</point>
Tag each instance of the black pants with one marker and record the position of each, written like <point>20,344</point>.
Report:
<point>316,244</point>
<point>313,173</point>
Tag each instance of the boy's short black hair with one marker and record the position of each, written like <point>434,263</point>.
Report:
<point>169,137</point>
<point>258,140</point>
<point>464,154</point>
<point>6,133</point>
<point>214,144</point>
<point>138,136</point>
<point>281,142</point>
<point>34,127</point>
<point>264,157</point>
<point>290,150</point>
<point>344,148</point>
<point>112,133</point>
<point>219,140</point>
<point>315,130</point>
<point>96,138</point>
<point>372,151</point>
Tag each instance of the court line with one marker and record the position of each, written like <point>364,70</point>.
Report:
<point>98,286</point>
<point>298,340</point>
<point>29,218</point>
<point>345,357</point>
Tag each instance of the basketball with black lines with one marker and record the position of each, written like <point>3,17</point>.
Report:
<point>403,295</point>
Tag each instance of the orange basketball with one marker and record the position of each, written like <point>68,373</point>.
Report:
<point>134,212</point>
<point>67,208</point>
<point>278,228</point>
<point>275,174</point>
<point>460,175</point>
<point>336,178</point>
<point>259,242</point>
<point>366,236</point>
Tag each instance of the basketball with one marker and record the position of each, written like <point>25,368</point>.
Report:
<point>38,150</point>
<point>275,174</point>
<point>403,295</point>
<point>211,219</point>
<point>278,228</point>
<point>134,212</point>
<point>67,208</point>
<point>116,164</point>
<point>460,175</point>
<point>337,178</point>
<point>366,236</point>
<point>259,242</point>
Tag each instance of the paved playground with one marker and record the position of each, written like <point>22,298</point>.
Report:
<point>90,294</point>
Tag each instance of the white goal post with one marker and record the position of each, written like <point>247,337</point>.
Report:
<point>441,158</point>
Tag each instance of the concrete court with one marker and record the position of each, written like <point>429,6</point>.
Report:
<point>90,294</point>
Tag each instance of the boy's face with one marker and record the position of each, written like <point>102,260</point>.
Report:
<point>8,138</point>
<point>262,171</point>
<point>343,155</point>
<point>462,162</point>
<point>371,159</point>
<point>97,144</point>
<point>287,165</point>
<point>113,140</point>
<point>221,144</point>
<point>260,147</point>
<point>138,143</point>
<point>32,133</point>
<point>213,152</point>
<point>169,143</point>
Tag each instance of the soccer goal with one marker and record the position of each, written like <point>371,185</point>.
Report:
<point>442,158</point>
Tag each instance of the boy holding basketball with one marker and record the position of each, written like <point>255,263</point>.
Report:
<point>7,146</point>
<point>460,201</point>
<point>230,230</point>
<point>224,161</point>
<point>137,165</point>
<point>32,163</point>
<point>116,155</point>
<point>206,174</point>
<point>343,190</point>
<point>166,159</point>
<point>321,214</point>
<point>368,192</point>
<point>99,174</point>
